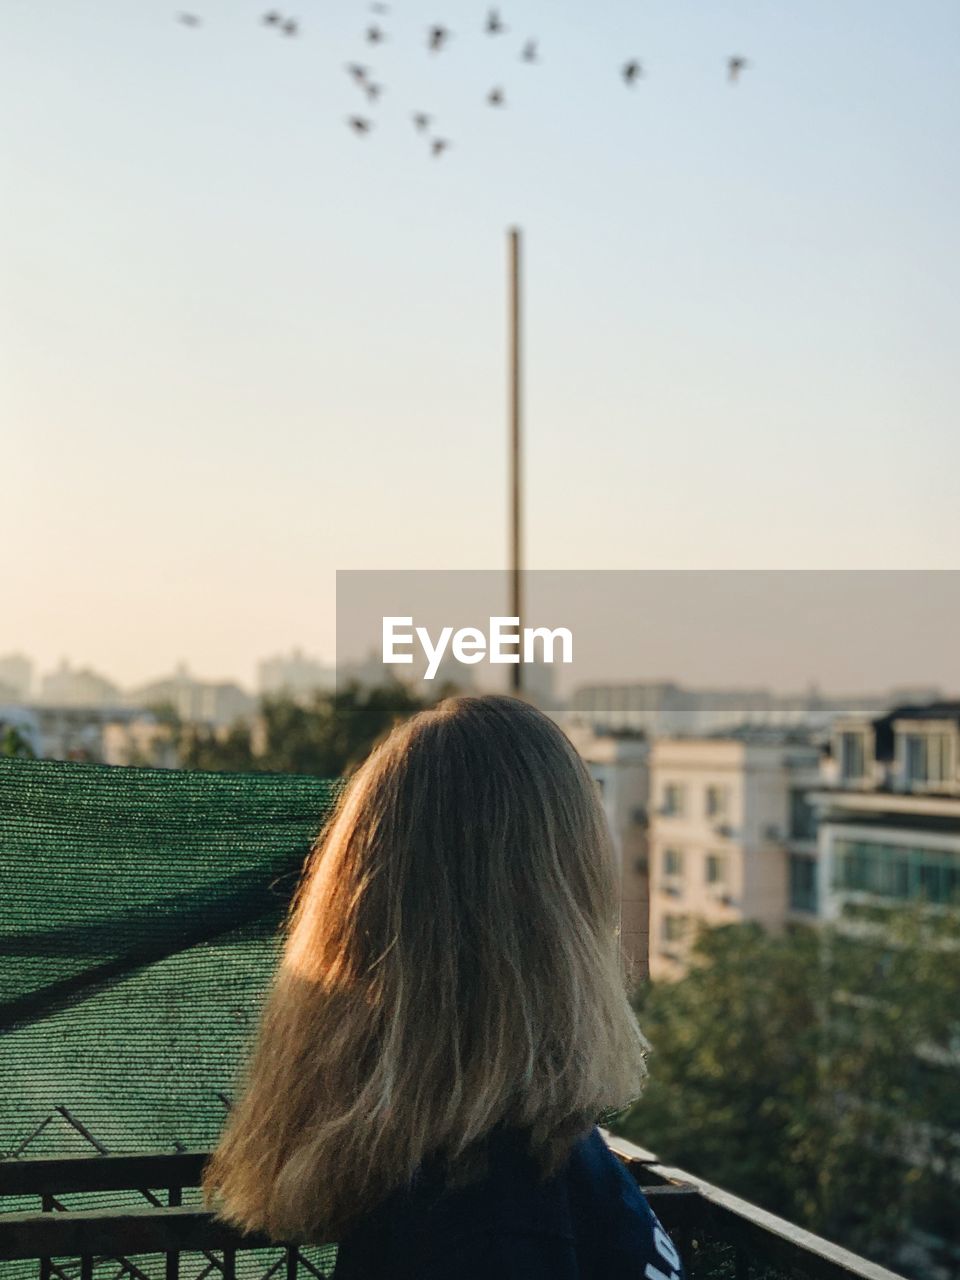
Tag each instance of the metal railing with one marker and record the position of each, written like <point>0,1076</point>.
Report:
<point>66,1243</point>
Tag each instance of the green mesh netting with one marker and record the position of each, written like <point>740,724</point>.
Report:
<point>139,914</point>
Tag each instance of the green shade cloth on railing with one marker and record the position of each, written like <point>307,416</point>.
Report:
<point>139,930</point>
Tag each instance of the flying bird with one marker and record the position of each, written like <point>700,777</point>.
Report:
<point>373,90</point>
<point>529,53</point>
<point>494,25</point>
<point>421,121</point>
<point>438,38</point>
<point>495,98</point>
<point>358,124</point>
<point>290,27</point>
<point>357,72</point>
<point>380,8</point>
<point>632,71</point>
<point>439,146</point>
<point>375,35</point>
<point>735,65</point>
<point>272,18</point>
<point>189,19</point>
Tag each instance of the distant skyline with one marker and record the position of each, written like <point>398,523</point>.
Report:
<point>483,681</point>
<point>839,633</point>
<point>241,348</point>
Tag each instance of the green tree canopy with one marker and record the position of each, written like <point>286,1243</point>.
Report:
<point>815,1072</point>
<point>327,735</point>
<point>13,745</point>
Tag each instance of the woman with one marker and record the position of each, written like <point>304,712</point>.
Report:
<point>447,1023</point>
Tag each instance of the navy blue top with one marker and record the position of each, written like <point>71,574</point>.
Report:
<point>589,1222</point>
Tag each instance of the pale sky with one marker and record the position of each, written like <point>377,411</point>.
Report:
<point>242,348</point>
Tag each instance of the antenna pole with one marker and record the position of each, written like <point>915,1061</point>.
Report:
<point>516,528</point>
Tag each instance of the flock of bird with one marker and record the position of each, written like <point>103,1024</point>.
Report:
<point>437,38</point>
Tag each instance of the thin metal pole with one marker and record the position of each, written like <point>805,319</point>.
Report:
<point>516,529</point>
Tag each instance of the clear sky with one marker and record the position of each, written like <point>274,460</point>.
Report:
<point>242,348</point>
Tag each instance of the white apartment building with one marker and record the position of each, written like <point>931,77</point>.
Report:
<point>295,674</point>
<point>16,677</point>
<point>213,702</point>
<point>69,686</point>
<point>729,820</point>
<point>139,740</point>
<point>620,768</point>
<point>889,829</point>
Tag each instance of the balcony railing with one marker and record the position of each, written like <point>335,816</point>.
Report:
<point>719,1236</point>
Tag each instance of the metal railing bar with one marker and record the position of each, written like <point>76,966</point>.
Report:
<point>58,1174</point>
<point>628,1150</point>
<point>172,1268</point>
<point>763,1234</point>
<point>119,1232</point>
<point>305,1262</point>
<point>14,1155</point>
<point>274,1266</point>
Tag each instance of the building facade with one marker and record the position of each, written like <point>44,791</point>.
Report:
<point>217,703</point>
<point>728,816</point>
<point>295,675</point>
<point>70,686</point>
<point>620,767</point>
<point>889,828</point>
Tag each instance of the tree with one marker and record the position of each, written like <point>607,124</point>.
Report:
<point>13,745</point>
<point>814,1071</point>
<point>327,736</point>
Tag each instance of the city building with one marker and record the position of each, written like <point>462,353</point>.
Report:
<point>69,686</point>
<point>619,764</point>
<point>889,822</point>
<point>662,708</point>
<point>140,740</point>
<point>76,732</point>
<point>728,817</point>
<point>217,703</point>
<point>16,677</point>
<point>295,675</point>
<point>889,835</point>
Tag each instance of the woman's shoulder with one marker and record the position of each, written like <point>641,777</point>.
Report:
<point>611,1211</point>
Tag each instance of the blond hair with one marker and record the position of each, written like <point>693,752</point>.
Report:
<point>451,964</point>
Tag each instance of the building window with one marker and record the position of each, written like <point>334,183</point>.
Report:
<point>803,883</point>
<point>716,868</point>
<point>673,929</point>
<point>803,816</point>
<point>853,756</point>
<point>673,799</point>
<point>897,871</point>
<point>718,800</point>
<point>672,862</point>
<point>928,757</point>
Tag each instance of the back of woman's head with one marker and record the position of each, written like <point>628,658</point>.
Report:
<point>451,966</point>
